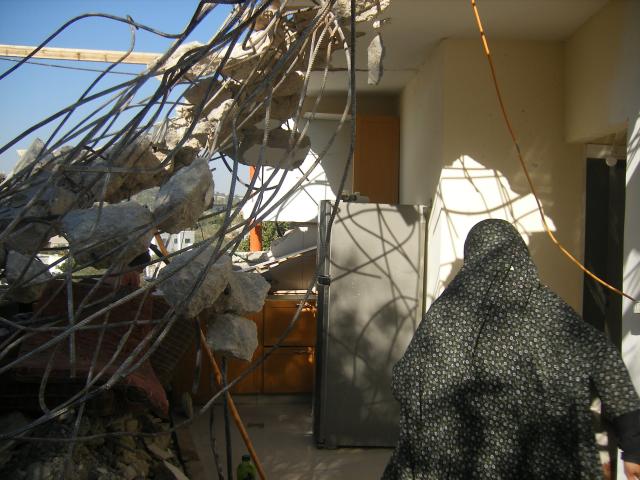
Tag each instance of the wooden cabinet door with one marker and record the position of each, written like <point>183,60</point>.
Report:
<point>186,370</point>
<point>278,315</point>
<point>376,161</point>
<point>289,370</point>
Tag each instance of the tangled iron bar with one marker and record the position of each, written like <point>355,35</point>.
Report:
<point>217,105</point>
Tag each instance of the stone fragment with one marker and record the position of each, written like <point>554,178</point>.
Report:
<point>233,335</point>
<point>137,155</point>
<point>180,283</point>
<point>366,10</point>
<point>159,452</point>
<point>181,200</point>
<point>29,157</point>
<point>211,91</point>
<point>45,194</point>
<point>282,149</point>
<point>147,197</point>
<point>28,274</point>
<point>28,237</point>
<point>175,58</point>
<point>282,109</point>
<point>262,21</point>
<point>288,85</point>
<point>175,471</point>
<point>375,54</point>
<point>246,293</point>
<point>119,233</point>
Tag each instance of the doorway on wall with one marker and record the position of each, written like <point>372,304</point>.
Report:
<point>604,233</point>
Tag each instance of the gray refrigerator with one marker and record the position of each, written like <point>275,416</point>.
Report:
<point>370,302</point>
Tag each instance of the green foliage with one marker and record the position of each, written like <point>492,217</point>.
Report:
<point>243,246</point>
<point>271,231</point>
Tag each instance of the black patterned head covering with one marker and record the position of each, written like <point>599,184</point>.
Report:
<point>496,382</point>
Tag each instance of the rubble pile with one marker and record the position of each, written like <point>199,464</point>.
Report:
<point>246,104</point>
<point>118,457</point>
<point>236,102</point>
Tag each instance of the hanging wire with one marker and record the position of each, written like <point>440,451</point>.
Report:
<point>523,165</point>
<point>103,140</point>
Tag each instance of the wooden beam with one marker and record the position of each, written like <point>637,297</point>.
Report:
<point>78,54</point>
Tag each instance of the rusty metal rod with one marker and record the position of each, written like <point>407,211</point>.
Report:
<point>232,406</point>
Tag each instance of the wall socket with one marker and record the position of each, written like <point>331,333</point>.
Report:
<point>636,307</point>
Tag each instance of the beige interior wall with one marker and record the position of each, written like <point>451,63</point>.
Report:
<point>603,78</point>
<point>603,72</point>
<point>467,153</point>
<point>421,133</point>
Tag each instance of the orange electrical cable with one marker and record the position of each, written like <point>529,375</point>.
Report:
<point>553,238</point>
<point>232,407</point>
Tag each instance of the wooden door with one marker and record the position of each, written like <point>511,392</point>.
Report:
<point>376,160</point>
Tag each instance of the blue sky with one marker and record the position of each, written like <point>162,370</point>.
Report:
<point>33,92</point>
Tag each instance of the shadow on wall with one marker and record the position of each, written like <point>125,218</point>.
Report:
<point>468,193</point>
<point>322,182</point>
<point>374,308</point>
<point>631,279</point>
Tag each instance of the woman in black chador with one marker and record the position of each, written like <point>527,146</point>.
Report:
<point>497,381</point>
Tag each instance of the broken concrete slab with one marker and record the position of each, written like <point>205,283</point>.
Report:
<point>211,90</point>
<point>29,276</point>
<point>146,198</point>
<point>282,109</point>
<point>29,237</point>
<point>375,55</point>
<point>175,139</point>
<point>99,236</point>
<point>44,192</point>
<point>118,173</point>
<point>294,240</point>
<point>30,156</point>
<point>138,156</point>
<point>283,149</point>
<point>233,335</point>
<point>193,282</point>
<point>246,293</point>
<point>180,202</point>
<point>366,10</point>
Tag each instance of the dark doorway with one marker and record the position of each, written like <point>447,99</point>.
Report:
<point>604,233</point>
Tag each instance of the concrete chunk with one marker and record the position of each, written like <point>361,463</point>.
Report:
<point>375,54</point>
<point>282,149</point>
<point>366,10</point>
<point>246,293</point>
<point>125,229</point>
<point>29,275</point>
<point>233,335</point>
<point>184,197</point>
<point>137,155</point>
<point>180,280</point>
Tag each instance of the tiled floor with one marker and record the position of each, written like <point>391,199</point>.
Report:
<point>281,431</point>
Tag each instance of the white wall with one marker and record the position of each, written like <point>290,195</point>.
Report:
<point>467,160</point>
<point>603,72</point>
<point>603,80</point>
<point>421,132</point>
<point>322,182</point>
